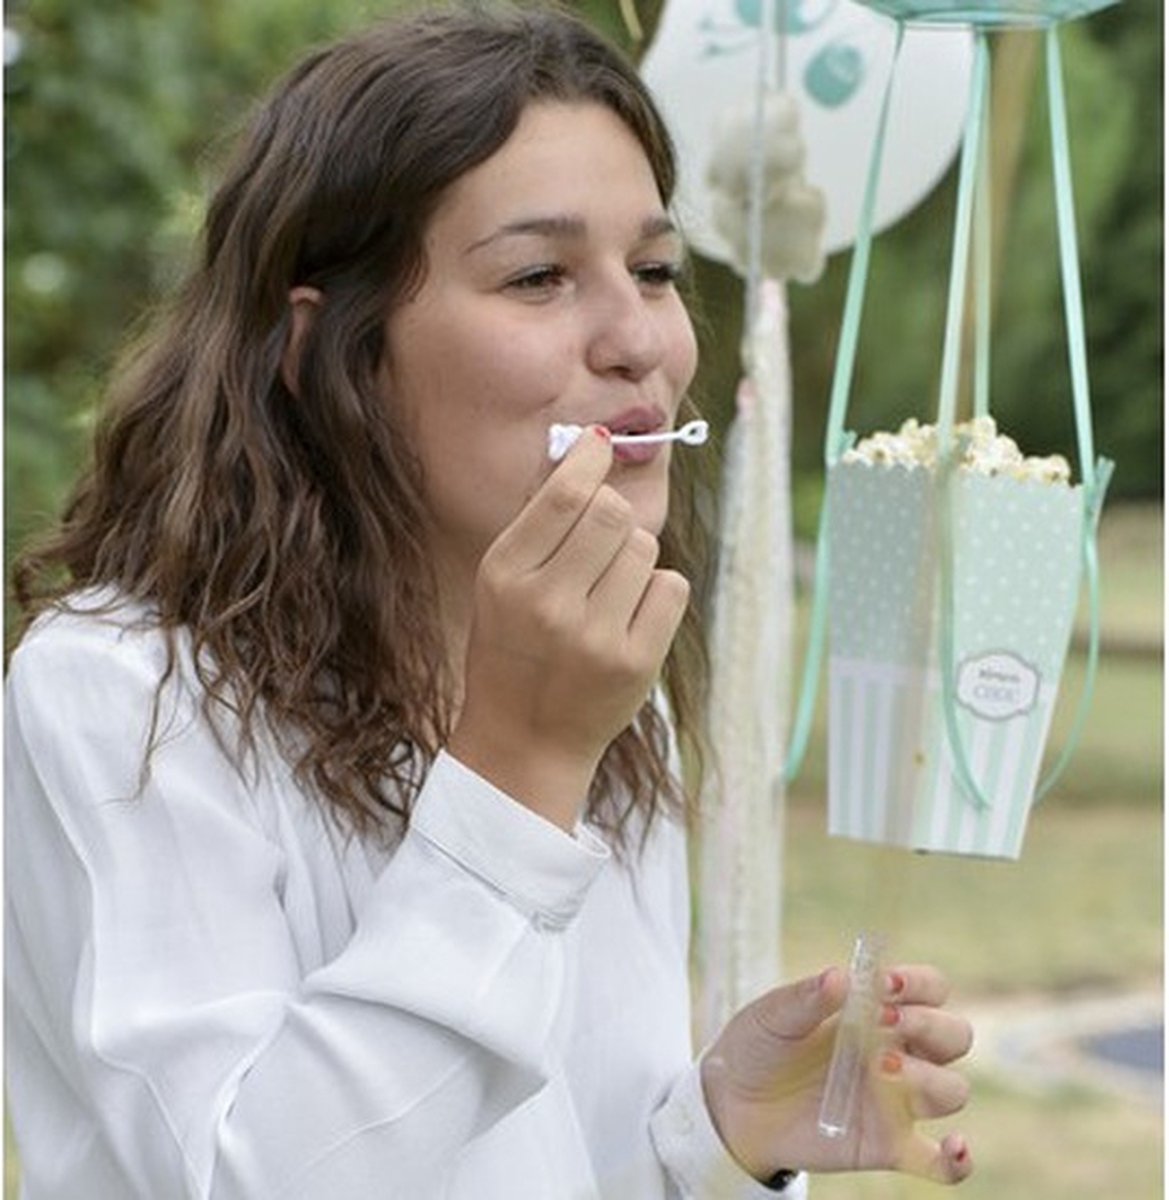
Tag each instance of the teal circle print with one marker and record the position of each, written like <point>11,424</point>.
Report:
<point>792,17</point>
<point>834,75</point>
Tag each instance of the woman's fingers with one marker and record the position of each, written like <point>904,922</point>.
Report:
<point>930,1033</point>
<point>915,1075</point>
<point>924,1089</point>
<point>956,1159</point>
<point>616,594</point>
<point>916,1019</point>
<point>947,1161</point>
<point>591,547</point>
<point>580,535</point>
<point>917,984</point>
<point>551,514</point>
<point>657,617</point>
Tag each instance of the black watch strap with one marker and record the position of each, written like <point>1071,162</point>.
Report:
<point>779,1181</point>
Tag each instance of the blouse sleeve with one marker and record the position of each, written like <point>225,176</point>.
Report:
<point>152,963</point>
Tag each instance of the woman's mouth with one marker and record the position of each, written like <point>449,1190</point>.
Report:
<point>636,422</point>
<point>630,443</point>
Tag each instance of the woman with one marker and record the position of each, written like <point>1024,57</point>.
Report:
<point>345,849</point>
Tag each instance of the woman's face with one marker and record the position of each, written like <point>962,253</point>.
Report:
<point>548,297</point>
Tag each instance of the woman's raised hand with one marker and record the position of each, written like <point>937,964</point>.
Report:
<point>764,1079</point>
<point>572,620</point>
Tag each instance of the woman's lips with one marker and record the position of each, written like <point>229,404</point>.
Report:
<point>643,419</point>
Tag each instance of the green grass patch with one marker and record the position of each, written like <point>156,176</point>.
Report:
<point>1066,1143</point>
<point>1081,908</point>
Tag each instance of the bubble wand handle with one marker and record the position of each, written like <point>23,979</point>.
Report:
<point>562,437</point>
<point>854,1036</point>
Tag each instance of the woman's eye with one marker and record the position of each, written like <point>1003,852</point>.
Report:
<point>544,278</point>
<point>658,274</point>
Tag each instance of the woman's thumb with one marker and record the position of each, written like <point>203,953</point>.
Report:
<point>795,1010</point>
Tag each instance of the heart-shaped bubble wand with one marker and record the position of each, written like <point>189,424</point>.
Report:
<point>561,438</point>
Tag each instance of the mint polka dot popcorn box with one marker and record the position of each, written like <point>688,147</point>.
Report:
<point>950,565</point>
<point>993,622</point>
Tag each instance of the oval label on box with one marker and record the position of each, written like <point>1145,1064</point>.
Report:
<point>997,686</point>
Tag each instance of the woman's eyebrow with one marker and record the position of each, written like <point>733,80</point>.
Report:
<point>657,226</point>
<point>566,226</point>
<point>551,226</point>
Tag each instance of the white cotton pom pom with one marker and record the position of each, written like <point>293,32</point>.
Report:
<point>794,211</point>
<point>561,439</point>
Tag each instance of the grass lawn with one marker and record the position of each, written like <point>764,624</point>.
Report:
<point>1069,1143</point>
<point>1080,910</point>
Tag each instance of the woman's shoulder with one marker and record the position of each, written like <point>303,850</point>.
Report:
<point>101,701</point>
<point>89,629</point>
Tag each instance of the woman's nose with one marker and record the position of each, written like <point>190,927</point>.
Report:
<point>626,336</point>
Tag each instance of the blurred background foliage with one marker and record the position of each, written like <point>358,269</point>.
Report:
<point>117,119</point>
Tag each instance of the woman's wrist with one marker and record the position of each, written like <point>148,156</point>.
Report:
<point>553,786</point>
<point>713,1075</point>
<point>775,1179</point>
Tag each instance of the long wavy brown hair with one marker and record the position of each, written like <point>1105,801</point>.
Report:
<point>287,537</point>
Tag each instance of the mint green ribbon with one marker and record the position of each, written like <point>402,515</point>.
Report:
<point>836,440</point>
<point>1096,473</point>
<point>972,222</point>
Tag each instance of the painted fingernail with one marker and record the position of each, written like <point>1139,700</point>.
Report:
<point>891,1063</point>
<point>896,983</point>
<point>890,1015</point>
<point>603,432</point>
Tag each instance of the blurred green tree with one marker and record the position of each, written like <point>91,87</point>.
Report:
<point>113,121</point>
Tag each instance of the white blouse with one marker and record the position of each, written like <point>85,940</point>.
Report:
<point>213,993</point>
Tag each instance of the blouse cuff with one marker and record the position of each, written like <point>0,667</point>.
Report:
<point>692,1152</point>
<point>543,871</point>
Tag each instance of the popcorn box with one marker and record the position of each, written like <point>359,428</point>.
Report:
<point>1016,548</point>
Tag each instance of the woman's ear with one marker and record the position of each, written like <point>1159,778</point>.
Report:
<point>304,302</point>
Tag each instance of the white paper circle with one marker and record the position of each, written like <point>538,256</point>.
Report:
<point>704,62</point>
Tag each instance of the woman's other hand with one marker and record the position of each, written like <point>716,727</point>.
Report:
<point>764,1079</point>
<point>572,620</point>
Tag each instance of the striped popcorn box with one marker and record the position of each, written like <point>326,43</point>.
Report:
<point>1016,572</point>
